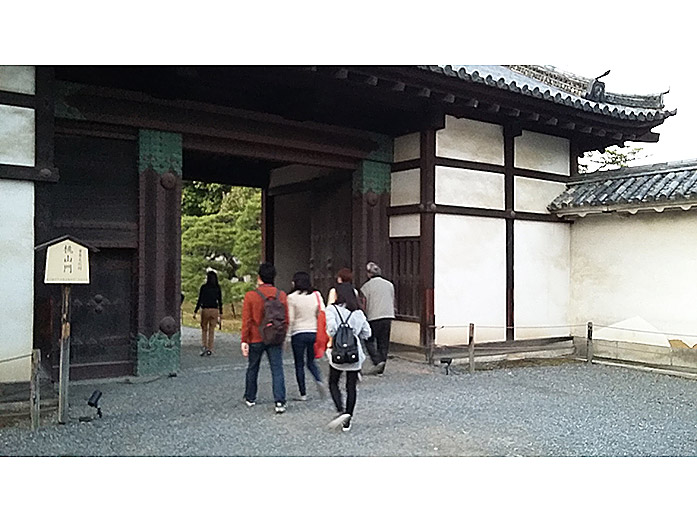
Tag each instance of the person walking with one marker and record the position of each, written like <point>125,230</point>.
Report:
<point>345,275</point>
<point>345,310</point>
<point>379,309</point>
<point>210,301</point>
<point>304,305</point>
<point>264,326</point>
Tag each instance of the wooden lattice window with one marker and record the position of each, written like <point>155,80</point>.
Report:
<point>405,275</point>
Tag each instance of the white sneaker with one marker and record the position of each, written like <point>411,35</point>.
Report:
<point>249,403</point>
<point>280,408</point>
<point>338,421</point>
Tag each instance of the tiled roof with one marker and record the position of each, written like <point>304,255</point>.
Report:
<point>655,186</point>
<point>558,87</point>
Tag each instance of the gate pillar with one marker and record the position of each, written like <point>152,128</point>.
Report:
<point>159,253</point>
<point>371,198</point>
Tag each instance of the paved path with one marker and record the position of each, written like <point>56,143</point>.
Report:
<point>414,410</point>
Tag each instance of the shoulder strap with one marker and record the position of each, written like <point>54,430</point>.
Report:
<point>278,294</point>
<point>319,307</point>
<point>263,297</point>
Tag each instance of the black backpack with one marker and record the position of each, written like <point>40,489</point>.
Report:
<point>344,346</point>
<point>273,324</point>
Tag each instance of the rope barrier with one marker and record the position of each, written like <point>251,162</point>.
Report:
<point>541,327</point>
<point>645,332</point>
<point>15,358</point>
<point>505,327</point>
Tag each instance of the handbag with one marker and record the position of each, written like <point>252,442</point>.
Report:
<point>322,337</point>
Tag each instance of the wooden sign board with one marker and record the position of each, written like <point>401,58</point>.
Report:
<point>67,262</point>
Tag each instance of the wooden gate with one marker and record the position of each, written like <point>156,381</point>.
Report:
<point>96,200</point>
<point>330,233</point>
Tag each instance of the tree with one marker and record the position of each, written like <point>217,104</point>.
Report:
<point>612,157</point>
<point>228,239</point>
<point>200,198</point>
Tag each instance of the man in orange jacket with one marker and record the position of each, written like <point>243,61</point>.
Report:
<point>253,346</point>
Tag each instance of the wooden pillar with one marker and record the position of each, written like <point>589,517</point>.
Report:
<point>63,384</point>
<point>159,252</point>
<point>509,188</point>
<point>268,217</point>
<point>370,225</point>
<point>427,208</point>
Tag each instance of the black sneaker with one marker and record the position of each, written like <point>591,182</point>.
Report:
<point>280,407</point>
<point>347,425</point>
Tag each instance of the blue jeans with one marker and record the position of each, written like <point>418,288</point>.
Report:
<point>275,355</point>
<point>303,345</point>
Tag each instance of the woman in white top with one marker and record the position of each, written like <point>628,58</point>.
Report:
<point>346,310</point>
<point>303,307</point>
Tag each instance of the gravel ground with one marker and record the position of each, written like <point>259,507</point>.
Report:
<point>414,410</point>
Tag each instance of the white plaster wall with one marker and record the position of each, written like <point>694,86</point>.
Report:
<point>465,139</point>
<point>405,187</point>
<point>533,195</point>
<point>17,78</point>
<point>17,135</point>
<point>469,188</point>
<point>542,266</point>
<point>405,225</point>
<point>407,147</point>
<point>541,152</point>
<point>640,270</point>
<point>470,278</point>
<point>16,278</point>
<point>405,332</point>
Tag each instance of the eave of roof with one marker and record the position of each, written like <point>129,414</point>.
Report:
<point>650,187</point>
<point>501,77</point>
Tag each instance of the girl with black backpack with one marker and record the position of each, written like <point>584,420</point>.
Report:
<point>345,319</point>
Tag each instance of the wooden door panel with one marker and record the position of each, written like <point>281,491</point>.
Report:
<point>330,244</point>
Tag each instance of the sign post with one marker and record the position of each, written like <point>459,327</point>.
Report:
<point>67,263</point>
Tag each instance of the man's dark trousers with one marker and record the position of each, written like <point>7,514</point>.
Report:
<point>379,342</point>
<point>275,355</point>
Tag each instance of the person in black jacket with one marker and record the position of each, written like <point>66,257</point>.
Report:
<point>210,301</point>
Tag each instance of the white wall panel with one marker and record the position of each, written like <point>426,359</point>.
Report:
<point>16,278</point>
<point>406,333</point>
<point>18,79</point>
<point>641,268</point>
<point>542,152</point>
<point>470,278</point>
<point>407,147</point>
<point>405,187</point>
<point>532,195</point>
<point>542,267</point>
<point>17,135</point>
<point>405,225</point>
<point>465,139</point>
<point>469,188</point>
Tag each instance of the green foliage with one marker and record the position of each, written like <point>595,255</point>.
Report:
<point>227,240</point>
<point>199,198</point>
<point>611,157</point>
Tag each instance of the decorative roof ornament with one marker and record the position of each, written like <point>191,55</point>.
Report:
<point>596,88</point>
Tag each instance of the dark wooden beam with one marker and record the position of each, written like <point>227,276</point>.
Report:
<point>466,164</point>
<point>427,243</point>
<point>17,99</point>
<point>509,198</point>
<point>35,174</point>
